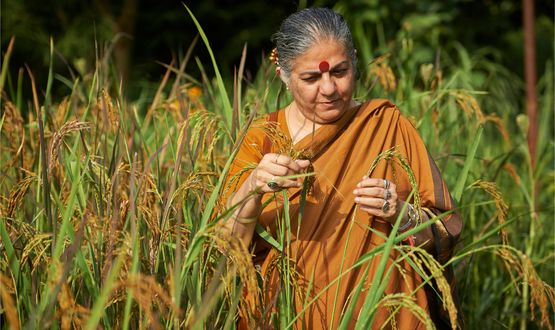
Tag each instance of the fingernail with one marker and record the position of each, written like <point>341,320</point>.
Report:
<point>357,200</point>
<point>355,192</point>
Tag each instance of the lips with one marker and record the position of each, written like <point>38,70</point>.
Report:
<point>329,102</point>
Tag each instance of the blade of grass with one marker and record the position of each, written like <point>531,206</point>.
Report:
<point>44,157</point>
<point>5,64</point>
<point>99,306</point>
<point>221,86</point>
<point>376,288</point>
<point>470,155</point>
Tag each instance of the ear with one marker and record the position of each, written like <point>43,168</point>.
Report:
<point>281,75</point>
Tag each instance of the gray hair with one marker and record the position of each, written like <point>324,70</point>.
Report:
<point>303,29</point>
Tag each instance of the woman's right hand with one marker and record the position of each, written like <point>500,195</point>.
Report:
<point>271,168</point>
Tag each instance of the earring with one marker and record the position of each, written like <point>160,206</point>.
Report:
<point>287,86</point>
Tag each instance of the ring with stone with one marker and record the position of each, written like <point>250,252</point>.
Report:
<point>385,206</point>
<point>387,194</point>
<point>272,184</point>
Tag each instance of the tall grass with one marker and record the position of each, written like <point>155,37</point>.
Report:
<point>111,208</point>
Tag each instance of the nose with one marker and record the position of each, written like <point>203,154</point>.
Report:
<point>327,85</point>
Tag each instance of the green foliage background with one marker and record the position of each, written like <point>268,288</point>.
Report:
<point>458,77</point>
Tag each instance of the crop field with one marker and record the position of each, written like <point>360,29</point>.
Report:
<point>111,208</point>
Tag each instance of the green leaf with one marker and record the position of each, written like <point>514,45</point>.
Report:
<point>267,237</point>
<point>470,155</point>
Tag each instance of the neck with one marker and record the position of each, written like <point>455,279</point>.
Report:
<point>298,124</point>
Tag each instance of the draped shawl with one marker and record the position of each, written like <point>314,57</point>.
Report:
<point>333,234</point>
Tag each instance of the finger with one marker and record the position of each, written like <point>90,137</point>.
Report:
<point>370,192</point>
<point>283,170</point>
<point>296,165</point>
<point>275,169</point>
<point>303,163</point>
<point>388,216</point>
<point>281,183</point>
<point>376,203</point>
<point>371,210</point>
<point>371,182</point>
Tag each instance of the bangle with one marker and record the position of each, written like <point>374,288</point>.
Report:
<point>241,220</point>
<point>405,226</point>
<point>411,216</point>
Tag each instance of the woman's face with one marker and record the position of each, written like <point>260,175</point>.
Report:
<point>322,96</point>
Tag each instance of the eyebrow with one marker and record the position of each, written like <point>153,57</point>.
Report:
<point>312,72</point>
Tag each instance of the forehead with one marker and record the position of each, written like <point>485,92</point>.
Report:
<point>329,50</point>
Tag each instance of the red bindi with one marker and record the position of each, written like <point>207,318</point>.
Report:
<point>324,66</point>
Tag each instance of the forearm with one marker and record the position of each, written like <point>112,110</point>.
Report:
<point>247,206</point>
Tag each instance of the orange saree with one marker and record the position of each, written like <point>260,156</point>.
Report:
<point>333,234</point>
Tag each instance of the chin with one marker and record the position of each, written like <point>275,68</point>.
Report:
<point>329,116</point>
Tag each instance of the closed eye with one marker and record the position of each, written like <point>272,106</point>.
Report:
<point>310,78</point>
<point>339,72</point>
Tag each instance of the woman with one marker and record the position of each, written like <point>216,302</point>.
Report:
<point>346,210</point>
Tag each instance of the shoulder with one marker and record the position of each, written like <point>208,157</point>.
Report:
<point>387,114</point>
<point>382,110</point>
<point>260,129</point>
<point>379,107</point>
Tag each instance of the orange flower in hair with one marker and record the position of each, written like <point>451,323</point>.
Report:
<point>274,57</point>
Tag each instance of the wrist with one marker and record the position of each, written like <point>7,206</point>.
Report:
<point>245,208</point>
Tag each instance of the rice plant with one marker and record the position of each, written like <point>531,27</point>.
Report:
<point>111,209</point>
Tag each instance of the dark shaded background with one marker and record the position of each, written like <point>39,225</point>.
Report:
<point>162,30</point>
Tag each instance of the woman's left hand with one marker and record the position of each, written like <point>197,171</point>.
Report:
<point>377,197</point>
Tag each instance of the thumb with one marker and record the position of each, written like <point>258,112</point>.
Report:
<point>302,162</point>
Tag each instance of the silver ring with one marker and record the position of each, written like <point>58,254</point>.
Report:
<point>385,206</point>
<point>385,184</point>
<point>387,194</point>
<point>272,184</point>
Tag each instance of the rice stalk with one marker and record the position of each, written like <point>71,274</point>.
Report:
<point>425,263</point>
<point>38,247</point>
<point>541,294</point>
<point>393,156</point>
<point>500,205</point>
<point>106,110</point>
<point>495,119</point>
<point>394,302</point>
<point>17,195</point>
<point>194,184</point>
<point>380,68</point>
<point>510,168</point>
<point>148,293</point>
<point>233,248</point>
<point>518,262</point>
<point>67,128</point>
<point>70,313</point>
<point>8,303</point>
<point>468,104</point>
<point>13,128</point>
<point>59,116</point>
